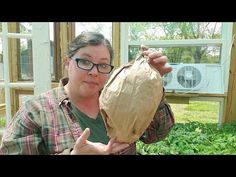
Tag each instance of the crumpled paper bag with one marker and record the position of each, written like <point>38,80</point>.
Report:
<point>129,100</point>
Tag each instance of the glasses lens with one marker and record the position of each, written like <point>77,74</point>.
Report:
<point>84,64</point>
<point>104,68</point>
<point>88,65</point>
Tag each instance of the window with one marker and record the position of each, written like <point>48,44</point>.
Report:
<point>1,61</point>
<point>105,28</point>
<point>198,51</point>
<point>25,51</point>
<point>182,42</point>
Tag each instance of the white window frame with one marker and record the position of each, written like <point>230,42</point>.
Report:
<point>41,62</point>
<point>225,42</point>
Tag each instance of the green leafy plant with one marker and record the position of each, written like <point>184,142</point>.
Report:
<point>2,122</point>
<point>196,132</point>
<point>194,138</point>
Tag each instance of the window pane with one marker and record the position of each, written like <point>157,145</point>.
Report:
<point>105,28</point>
<point>26,62</point>
<point>52,48</point>
<point>23,98</point>
<point>2,121</point>
<point>1,61</point>
<point>174,30</point>
<point>190,54</point>
<point>2,110</point>
<point>26,28</point>
<point>196,111</point>
<point>2,95</point>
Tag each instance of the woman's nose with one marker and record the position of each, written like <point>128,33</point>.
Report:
<point>93,71</point>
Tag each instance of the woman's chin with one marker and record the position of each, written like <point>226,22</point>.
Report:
<point>91,91</point>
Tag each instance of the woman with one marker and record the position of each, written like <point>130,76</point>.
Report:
<point>66,119</point>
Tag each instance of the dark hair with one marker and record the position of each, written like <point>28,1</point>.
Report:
<point>89,38</point>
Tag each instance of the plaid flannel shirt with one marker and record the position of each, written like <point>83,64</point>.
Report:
<point>45,125</point>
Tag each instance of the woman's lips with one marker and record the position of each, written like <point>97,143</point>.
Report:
<point>91,83</point>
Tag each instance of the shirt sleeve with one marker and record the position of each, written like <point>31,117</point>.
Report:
<point>66,152</point>
<point>22,136</point>
<point>161,125</point>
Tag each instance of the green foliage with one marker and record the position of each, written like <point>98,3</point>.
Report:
<point>196,132</point>
<point>194,138</point>
<point>200,111</point>
<point>179,31</point>
<point>2,122</point>
<point>143,31</point>
<point>133,53</point>
<point>203,106</point>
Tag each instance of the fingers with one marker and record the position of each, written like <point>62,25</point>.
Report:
<point>84,136</point>
<point>165,70</point>
<point>161,60</point>
<point>157,58</point>
<point>147,52</point>
<point>152,54</point>
<point>143,48</point>
<point>168,69</point>
<point>113,146</point>
<point>118,147</point>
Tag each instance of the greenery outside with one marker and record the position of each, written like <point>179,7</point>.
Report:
<point>179,31</point>
<point>2,122</point>
<point>196,133</point>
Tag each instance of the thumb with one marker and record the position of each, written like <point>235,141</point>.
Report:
<point>84,136</point>
<point>110,143</point>
<point>146,52</point>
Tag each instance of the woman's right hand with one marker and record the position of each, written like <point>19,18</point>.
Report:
<point>84,147</point>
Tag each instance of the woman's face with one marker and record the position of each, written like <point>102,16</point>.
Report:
<point>88,83</point>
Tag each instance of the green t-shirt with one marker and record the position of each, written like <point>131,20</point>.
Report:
<point>97,127</point>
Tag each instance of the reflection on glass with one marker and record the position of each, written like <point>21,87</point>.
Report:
<point>24,51</point>
<point>174,31</point>
<point>52,47</point>
<point>2,110</point>
<point>2,95</point>
<point>25,28</point>
<point>26,61</point>
<point>23,98</point>
<point>1,61</point>
<point>2,121</point>
<point>103,27</point>
<point>190,54</point>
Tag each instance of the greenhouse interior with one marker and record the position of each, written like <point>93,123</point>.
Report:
<point>172,86</point>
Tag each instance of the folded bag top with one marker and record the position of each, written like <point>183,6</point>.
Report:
<point>129,100</point>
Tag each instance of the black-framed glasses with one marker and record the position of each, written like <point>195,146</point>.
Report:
<point>88,65</point>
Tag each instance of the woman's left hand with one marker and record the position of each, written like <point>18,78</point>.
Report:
<point>157,60</point>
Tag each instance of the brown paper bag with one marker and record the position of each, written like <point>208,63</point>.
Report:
<point>130,99</point>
